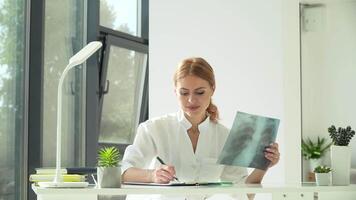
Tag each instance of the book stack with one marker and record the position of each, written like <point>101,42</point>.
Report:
<point>69,174</point>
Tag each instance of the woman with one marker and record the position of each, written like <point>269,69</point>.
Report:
<point>189,141</point>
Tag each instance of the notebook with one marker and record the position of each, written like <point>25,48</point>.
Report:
<point>173,183</point>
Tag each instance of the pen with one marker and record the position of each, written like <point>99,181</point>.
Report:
<point>161,161</point>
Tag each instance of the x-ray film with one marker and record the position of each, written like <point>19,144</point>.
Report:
<point>247,140</point>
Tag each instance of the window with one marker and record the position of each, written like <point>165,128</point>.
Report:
<point>64,36</point>
<point>126,66</point>
<point>28,95</point>
<point>121,16</point>
<point>123,96</point>
<point>12,73</point>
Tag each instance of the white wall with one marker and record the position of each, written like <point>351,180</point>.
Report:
<point>245,42</point>
<point>291,85</point>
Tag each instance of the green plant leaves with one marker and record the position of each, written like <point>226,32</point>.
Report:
<point>322,169</point>
<point>108,157</point>
<point>341,136</point>
<point>311,150</point>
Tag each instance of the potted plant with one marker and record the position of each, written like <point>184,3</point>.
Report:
<point>314,151</point>
<point>322,175</point>
<point>108,171</point>
<point>341,154</point>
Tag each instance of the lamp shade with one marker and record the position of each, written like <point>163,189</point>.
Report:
<point>84,53</point>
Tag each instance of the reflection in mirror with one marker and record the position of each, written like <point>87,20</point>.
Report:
<point>328,71</point>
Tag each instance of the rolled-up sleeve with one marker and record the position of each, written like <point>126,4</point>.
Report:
<point>141,152</point>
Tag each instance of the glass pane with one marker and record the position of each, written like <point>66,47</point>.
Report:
<point>12,53</point>
<point>121,107</point>
<point>328,68</point>
<point>63,38</point>
<point>122,15</point>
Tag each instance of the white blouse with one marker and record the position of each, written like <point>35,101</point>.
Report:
<point>167,137</point>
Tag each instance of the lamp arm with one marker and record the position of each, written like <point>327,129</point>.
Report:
<point>58,177</point>
<point>75,60</point>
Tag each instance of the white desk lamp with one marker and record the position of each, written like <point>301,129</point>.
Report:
<point>75,60</point>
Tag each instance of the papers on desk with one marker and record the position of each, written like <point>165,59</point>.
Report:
<point>76,174</point>
<point>68,170</point>
<point>50,177</point>
<point>247,140</point>
<point>173,183</point>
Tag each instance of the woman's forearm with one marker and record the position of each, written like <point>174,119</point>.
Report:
<point>134,174</point>
<point>255,177</point>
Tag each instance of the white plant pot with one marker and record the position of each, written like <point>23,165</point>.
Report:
<point>314,163</point>
<point>340,164</point>
<point>323,178</point>
<point>109,177</point>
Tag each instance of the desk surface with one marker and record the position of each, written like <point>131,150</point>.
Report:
<point>169,190</point>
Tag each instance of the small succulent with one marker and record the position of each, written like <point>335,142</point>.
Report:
<point>341,136</point>
<point>108,157</point>
<point>311,150</point>
<point>322,169</point>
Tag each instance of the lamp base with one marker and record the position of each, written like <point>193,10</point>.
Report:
<point>63,184</point>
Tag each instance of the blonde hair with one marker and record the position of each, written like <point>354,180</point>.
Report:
<point>201,68</point>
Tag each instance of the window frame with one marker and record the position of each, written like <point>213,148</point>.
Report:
<point>95,81</point>
<point>112,41</point>
<point>35,89</point>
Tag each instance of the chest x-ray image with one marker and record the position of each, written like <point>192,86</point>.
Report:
<point>247,140</point>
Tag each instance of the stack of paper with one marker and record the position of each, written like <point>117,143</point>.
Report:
<point>68,170</point>
<point>68,174</point>
<point>49,177</point>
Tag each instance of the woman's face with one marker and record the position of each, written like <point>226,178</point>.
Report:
<point>193,95</point>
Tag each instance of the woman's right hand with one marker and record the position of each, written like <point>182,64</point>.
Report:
<point>163,174</point>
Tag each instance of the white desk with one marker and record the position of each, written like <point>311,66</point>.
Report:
<point>279,192</point>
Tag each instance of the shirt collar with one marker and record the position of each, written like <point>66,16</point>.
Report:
<point>186,124</point>
<point>204,124</point>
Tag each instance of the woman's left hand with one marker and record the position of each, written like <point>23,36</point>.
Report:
<point>272,154</point>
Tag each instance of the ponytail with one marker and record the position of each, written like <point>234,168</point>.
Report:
<point>213,112</point>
